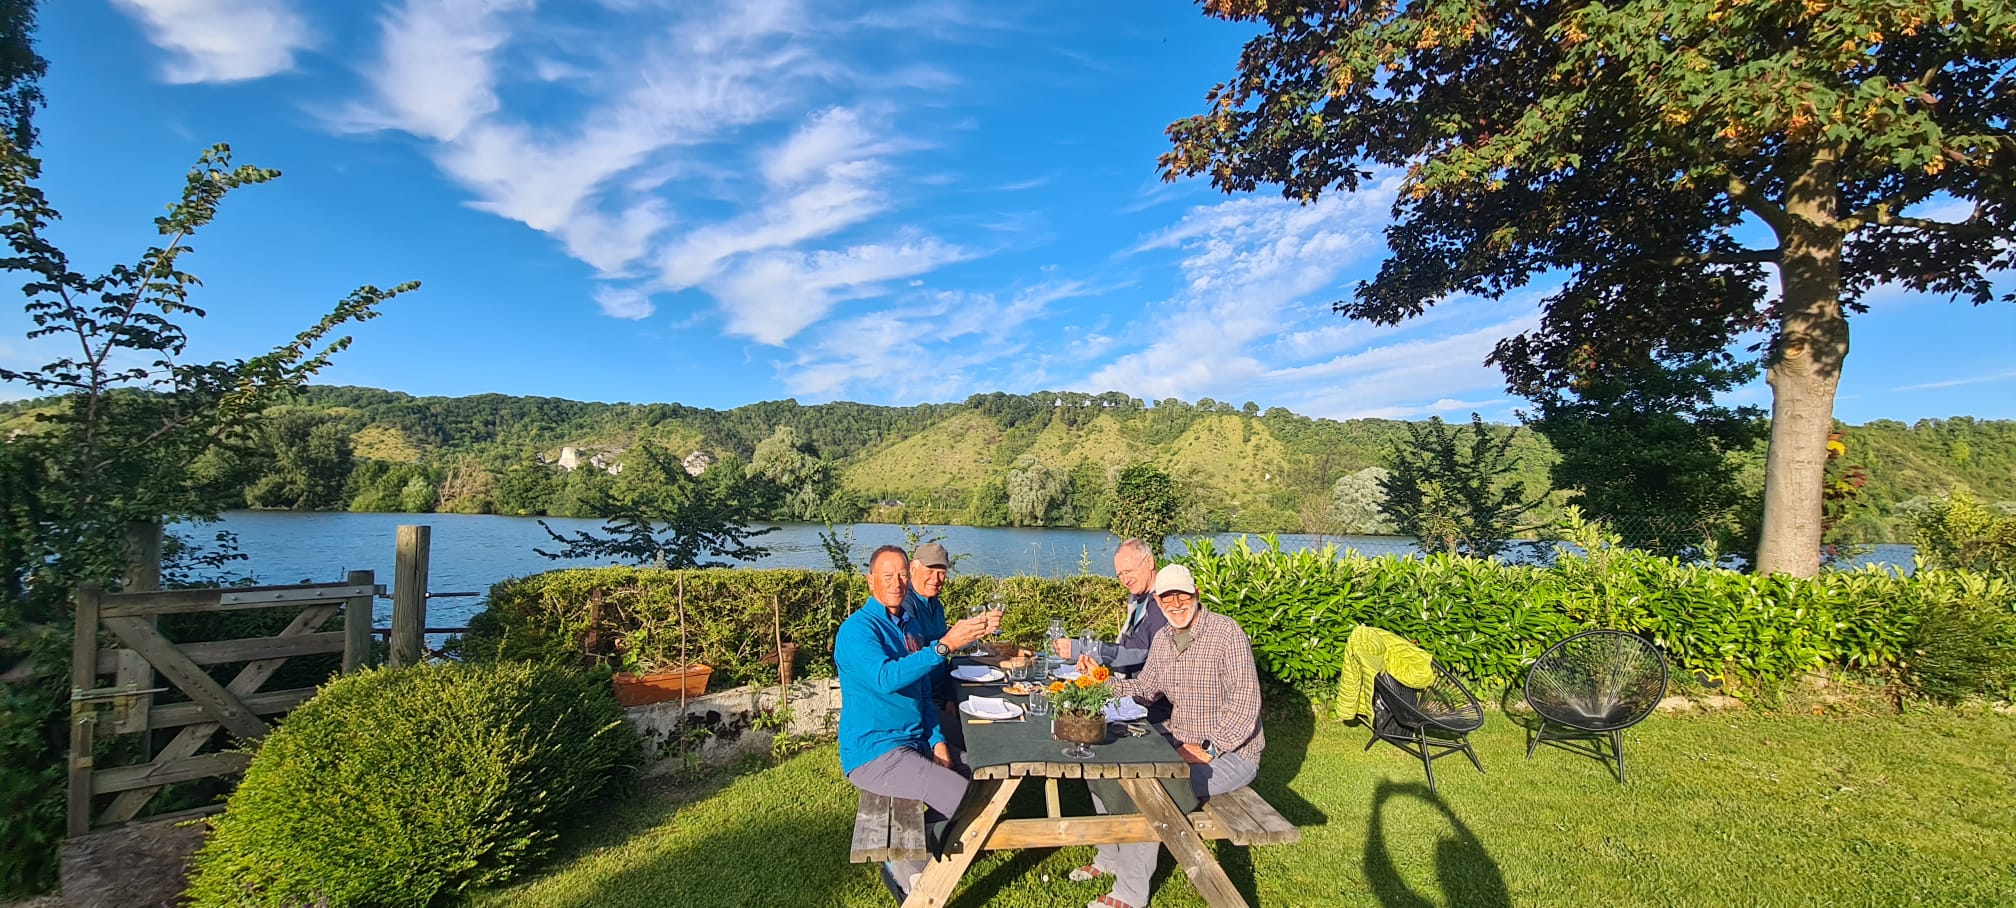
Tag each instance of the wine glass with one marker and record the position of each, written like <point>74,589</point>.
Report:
<point>1078,750</point>
<point>976,610</point>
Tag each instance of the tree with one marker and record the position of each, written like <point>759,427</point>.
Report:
<point>120,440</point>
<point>310,461</point>
<point>1146,504</point>
<point>658,514</point>
<point>793,467</point>
<point>1643,441</point>
<point>1457,496</point>
<point>1037,494</point>
<point>1354,504</point>
<point>21,71</point>
<point>1643,142</point>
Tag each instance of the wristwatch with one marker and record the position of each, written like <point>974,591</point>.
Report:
<point>1211,749</point>
<point>941,649</point>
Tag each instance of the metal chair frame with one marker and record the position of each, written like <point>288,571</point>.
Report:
<point>1398,720</point>
<point>1564,732</point>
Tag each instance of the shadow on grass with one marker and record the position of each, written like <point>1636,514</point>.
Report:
<point>1463,868</point>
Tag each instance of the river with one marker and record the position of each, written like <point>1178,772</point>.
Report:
<point>470,552</point>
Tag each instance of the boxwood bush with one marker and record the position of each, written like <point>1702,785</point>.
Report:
<point>546,617</point>
<point>392,787</point>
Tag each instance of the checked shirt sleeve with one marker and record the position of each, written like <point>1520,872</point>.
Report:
<point>1239,711</point>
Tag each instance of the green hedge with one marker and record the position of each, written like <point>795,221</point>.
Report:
<point>392,787</point>
<point>545,617</point>
<point>1490,620</point>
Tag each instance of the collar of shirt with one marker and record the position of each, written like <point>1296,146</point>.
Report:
<point>1140,603</point>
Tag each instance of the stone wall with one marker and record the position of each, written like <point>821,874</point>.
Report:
<point>722,727</point>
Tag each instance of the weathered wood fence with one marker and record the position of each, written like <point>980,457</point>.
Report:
<point>239,706</point>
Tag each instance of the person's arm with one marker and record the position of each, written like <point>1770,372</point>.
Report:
<point>1124,658</point>
<point>1239,710</point>
<point>1148,684</point>
<point>857,653</point>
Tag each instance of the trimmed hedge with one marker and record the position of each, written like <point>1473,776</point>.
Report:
<point>545,617</point>
<point>394,786</point>
<point>1491,620</point>
<point>1938,633</point>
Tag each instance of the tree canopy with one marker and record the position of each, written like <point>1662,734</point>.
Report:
<point>1645,146</point>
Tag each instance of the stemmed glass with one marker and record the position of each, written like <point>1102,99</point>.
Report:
<point>974,611</point>
<point>1078,750</point>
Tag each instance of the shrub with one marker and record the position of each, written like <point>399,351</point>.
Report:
<point>1957,533</point>
<point>1490,620</point>
<point>1963,642</point>
<point>546,617</point>
<point>391,787</point>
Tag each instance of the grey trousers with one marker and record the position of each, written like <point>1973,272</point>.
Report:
<point>1133,865</point>
<point>906,773</point>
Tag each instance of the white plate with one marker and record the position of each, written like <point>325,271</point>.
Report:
<point>977,673</point>
<point>1010,711</point>
<point>1125,709</point>
<point>1065,673</point>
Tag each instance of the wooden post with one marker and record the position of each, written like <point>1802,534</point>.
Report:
<point>409,595</point>
<point>143,575</point>
<point>83,718</point>
<point>357,624</point>
<point>143,557</point>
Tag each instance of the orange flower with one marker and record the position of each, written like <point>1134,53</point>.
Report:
<point>1056,687</point>
<point>1083,681</point>
<point>1102,674</point>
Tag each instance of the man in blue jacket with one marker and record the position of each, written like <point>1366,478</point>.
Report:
<point>890,739</point>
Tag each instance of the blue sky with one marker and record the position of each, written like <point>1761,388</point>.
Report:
<point>661,200</point>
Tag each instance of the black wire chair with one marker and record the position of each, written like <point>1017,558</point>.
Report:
<point>1431,723</point>
<point>1589,688</point>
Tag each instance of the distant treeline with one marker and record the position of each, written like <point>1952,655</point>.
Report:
<point>1044,459</point>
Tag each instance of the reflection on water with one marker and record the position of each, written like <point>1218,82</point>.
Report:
<point>471,552</point>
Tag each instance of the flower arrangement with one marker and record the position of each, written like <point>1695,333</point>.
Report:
<point>1084,695</point>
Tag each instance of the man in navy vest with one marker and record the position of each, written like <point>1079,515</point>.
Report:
<point>1134,564</point>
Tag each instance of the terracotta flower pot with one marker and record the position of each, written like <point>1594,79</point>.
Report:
<point>1080,729</point>
<point>657,687</point>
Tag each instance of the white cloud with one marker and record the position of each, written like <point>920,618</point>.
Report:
<point>1249,266</point>
<point>624,302</point>
<point>1956,382</point>
<point>883,349</point>
<point>221,40</point>
<point>643,184</point>
<point>771,296</point>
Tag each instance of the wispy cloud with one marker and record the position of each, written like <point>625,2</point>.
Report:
<point>883,350</point>
<point>1956,382</point>
<point>221,40</point>
<point>643,184</point>
<point>1247,265</point>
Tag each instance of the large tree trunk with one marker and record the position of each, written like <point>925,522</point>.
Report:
<point>1804,370</point>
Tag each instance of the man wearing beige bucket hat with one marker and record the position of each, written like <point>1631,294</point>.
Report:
<point>1202,664</point>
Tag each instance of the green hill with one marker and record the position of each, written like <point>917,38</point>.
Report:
<point>1243,469</point>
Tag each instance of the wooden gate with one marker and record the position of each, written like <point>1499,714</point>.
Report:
<point>128,707</point>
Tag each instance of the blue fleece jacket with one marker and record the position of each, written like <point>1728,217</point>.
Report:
<point>885,689</point>
<point>927,617</point>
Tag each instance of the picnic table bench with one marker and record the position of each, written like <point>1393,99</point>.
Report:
<point>892,829</point>
<point>1000,754</point>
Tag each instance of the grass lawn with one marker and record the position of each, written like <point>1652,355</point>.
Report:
<point>1728,809</point>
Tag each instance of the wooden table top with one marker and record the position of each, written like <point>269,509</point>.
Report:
<point>1001,750</point>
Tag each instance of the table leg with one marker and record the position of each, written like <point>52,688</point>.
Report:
<point>969,830</point>
<point>1173,828</point>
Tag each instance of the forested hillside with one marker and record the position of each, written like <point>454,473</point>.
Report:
<point>1044,459</point>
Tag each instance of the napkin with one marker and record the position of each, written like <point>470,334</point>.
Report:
<point>1124,709</point>
<point>993,707</point>
<point>975,673</point>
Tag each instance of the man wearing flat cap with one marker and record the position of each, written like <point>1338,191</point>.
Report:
<point>1202,664</point>
<point>929,566</point>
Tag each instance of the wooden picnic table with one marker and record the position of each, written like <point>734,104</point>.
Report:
<point>1003,755</point>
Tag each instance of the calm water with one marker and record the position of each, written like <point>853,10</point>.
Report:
<point>471,552</point>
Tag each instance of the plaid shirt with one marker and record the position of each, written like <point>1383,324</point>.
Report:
<point>1212,686</point>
